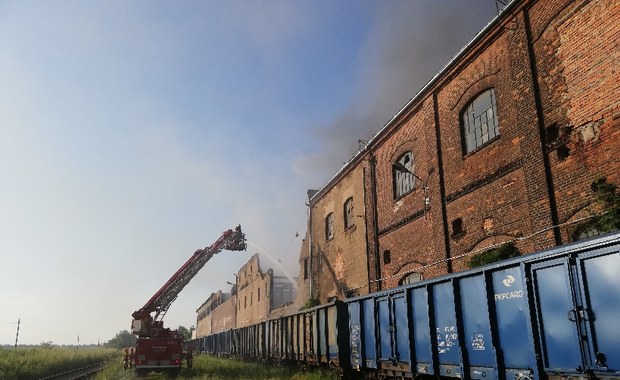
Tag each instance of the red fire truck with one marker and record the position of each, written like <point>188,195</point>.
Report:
<point>158,348</point>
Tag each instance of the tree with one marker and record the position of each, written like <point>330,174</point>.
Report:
<point>121,340</point>
<point>185,332</point>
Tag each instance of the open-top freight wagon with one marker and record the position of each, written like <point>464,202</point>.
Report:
<point>554,314</point>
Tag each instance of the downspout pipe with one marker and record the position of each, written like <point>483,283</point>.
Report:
<point>375,220</point>
<point>442,186</point>
<point>540,116</point>
<point>368,269</point>
<point>310,232</point>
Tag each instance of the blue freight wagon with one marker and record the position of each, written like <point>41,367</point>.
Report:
<point>551,314</point>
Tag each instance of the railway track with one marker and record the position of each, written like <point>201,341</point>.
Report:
<point>84,372</point>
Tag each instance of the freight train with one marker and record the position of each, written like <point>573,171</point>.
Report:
<point>549,315</point>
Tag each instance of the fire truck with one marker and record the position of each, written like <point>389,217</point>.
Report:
<point>158,348</point>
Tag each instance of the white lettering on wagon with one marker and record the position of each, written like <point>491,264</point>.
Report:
<point>509,295</point>
<point>446,338</point>
<point>477,342</point>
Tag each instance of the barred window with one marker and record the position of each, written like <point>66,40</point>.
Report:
<point>349,219</point>
<point>479,123</point>
<point>402,175</point>
<point>329,226</point>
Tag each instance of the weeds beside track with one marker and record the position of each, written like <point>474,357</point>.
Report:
<point>213,368</point>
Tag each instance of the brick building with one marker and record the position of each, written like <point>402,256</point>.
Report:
<point>204,313</point>
<point>502,145</point>
<point>254,292</point>
<point>337,235</point>
<point>254,296</point>
<point>224,316</point>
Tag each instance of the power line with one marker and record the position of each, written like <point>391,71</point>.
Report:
<point>478,250</point>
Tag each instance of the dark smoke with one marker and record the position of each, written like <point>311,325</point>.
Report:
<point>412,41</point>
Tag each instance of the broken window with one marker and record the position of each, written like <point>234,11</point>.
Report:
<point>305,269</point>
<point>402,175</point>
<point>329,226</point>
<point>349,218</point>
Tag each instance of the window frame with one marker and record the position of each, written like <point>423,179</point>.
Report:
<point>468,127</point>
<point>305,269</point>
<point>329,226</point>
<point>349,217</point>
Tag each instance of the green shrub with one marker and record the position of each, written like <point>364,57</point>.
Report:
<point>503,252</point>
<point>312,302</point>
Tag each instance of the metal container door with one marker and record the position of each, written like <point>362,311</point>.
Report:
<point>368,333</point>
<point>477,328</point>
<point>422,345</point>
<point>308,333</point>
<point>322,330</point>
<point>512,318</point>
<point>385,329</point>
<point>355,327</point>
<point>332,333</point>
<point>600,285</point>
<point>401,322</point>
<point>555,308</point>
<point>448,350</point>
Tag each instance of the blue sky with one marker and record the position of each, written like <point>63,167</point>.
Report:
<point>133,133</point>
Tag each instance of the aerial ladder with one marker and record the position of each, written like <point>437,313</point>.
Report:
<point>161,349</point>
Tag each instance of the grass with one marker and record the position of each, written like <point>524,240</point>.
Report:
<point>38,362</point>
<point>213,368</point>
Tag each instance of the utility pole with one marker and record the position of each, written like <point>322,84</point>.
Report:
<point>17,333</point>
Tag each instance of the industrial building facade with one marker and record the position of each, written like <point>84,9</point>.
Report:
<point>254,296</point>
<point>503,145</point>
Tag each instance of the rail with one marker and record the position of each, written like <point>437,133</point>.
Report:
<point>78,373</point>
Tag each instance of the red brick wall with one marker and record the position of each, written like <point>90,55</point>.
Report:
<point>554,68</point>
<point>405,228</point>
<point>502,191</point>
<point>502,183</point>
<point>577,55</point>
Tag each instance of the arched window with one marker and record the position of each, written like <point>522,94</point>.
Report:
<point>479,123</point>
<point>349,218</point>
<point>402,175</point>
<point>329,226</point>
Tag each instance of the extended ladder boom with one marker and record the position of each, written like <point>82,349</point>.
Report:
<point>143,322</point>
